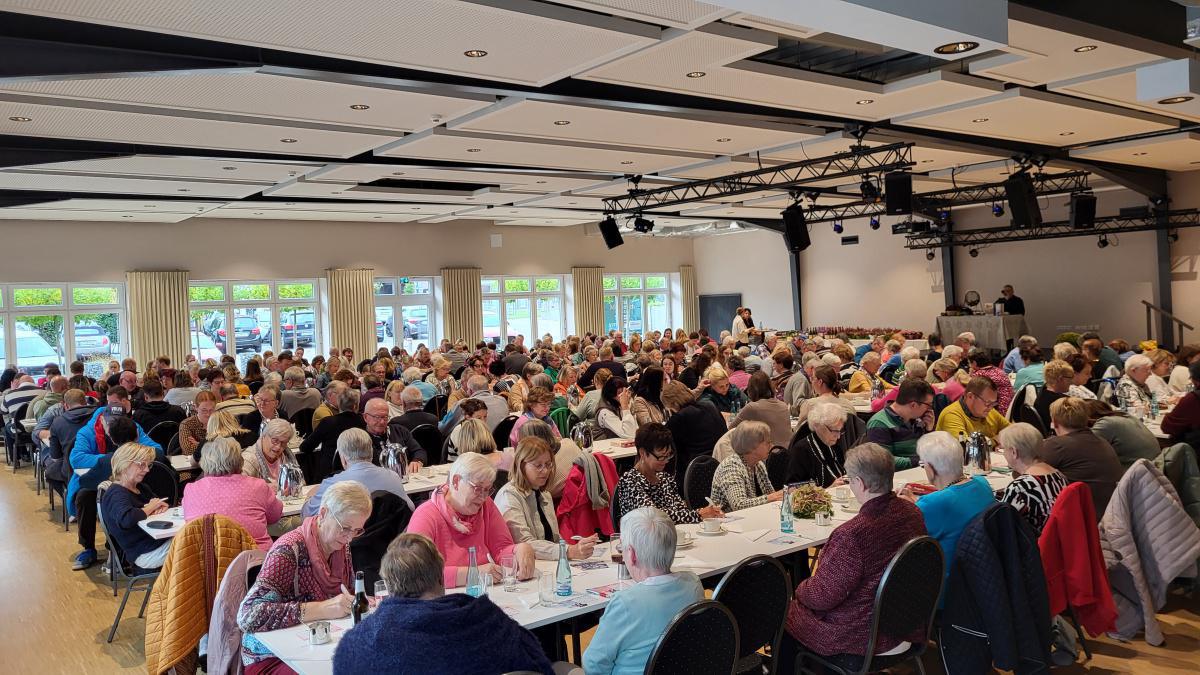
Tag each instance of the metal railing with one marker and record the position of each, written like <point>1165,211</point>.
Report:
<point>1151,309</point>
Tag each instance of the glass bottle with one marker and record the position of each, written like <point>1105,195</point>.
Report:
<point>787,521</point>
<point>562,577</point>
<point>474,582</point>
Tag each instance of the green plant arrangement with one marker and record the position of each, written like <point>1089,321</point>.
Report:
<point>1070,338</point>
<point>809,500</point>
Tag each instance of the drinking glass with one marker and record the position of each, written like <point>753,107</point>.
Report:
<point>614,548</point>
<point>381,592</point>
<point>546,584</point>
<point>508,566</point>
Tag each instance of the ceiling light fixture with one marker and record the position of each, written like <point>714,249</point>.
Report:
<point>474,149</point>
<point>1102,242</point>
<point>627,162</point>
<point>960,47</point>
<point>287,140</point>
<point>1170,101</point>
<point>126,216</point>
<point>360,106</point>
<point>475,53</point>
<point>1085,48</point>
<point>561,123</point>
<point>1066,133</point>
<point>998,210</point>
<point>980,120</point>
<point>869,192</point>
<point>865,101</point>
<point>929,255</point>
<point>540,182</point>
<point>974,253</point>
<point>184,190</point>
<point>837,227</point>
<point>874,222</point>
<point>643,225</point>
<point>724,140</point>
<point>696,74</point>
<point>19,118</point>
<point>258,213</point>
<point>397,173</point>
<point>1139,154</point>
<point>229,168</point>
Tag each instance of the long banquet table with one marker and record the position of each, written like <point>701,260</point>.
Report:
<point>748,532</point>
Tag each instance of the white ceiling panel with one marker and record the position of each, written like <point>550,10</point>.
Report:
<point>1173,152</point>
<point>544,222</point>
<point>1039,117</point>
<point>16,180</point>
<point>526,42</point>
<point>676,13</point>
<point>1039,54</point>
<point>1119,87</point>
<point>292,214</point>
<point>588,124</point>
<point>717,168</point>
<point>61,121</point>
<point>355,192</point>
<point>718,51</point>
<point>564,202</point>
<point>772,25</point>
<point>164,166</point>
<point>443,144</point>
<point>620,186</point>
<point>92,216</point>
<point>128,206</point>
<point>263,94</point>
<point>530,213</point>
<point>732,211</point>
<point>509,181</point>
<point>927,158</point>
<point>421,210</point>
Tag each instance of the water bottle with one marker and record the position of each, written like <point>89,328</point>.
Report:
<point>787,522</point>
<point>1154,406</point>
<point>474,582</point>
<point>562,577</point>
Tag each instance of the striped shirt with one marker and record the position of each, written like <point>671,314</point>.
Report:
<point>1033,496</point>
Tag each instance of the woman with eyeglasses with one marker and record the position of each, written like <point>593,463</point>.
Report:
<point>461,515</point>
<point>305,575</point>
<point>126,503</point>
<point>527,507</point>
<point>648,483</point>
<point>818,451</point>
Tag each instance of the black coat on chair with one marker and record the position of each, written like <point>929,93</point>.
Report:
<point>389,516</point>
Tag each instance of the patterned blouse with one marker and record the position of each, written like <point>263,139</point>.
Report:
<point>733,487</point>
<point>637,492</point>
<point>1133,393</point>
<point>1033,496</point>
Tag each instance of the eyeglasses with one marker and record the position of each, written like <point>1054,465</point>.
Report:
<point>990,404</point>
<point>542,467</point>
<point>374,415</point>
<point>352,531</point>
<point>479,490</point>
<point>838,430</point>
<point>265,401</point>
<point>662,458</point>
<point>142,465</point>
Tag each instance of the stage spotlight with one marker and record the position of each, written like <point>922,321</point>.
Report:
<point>974,252</point>
<point>1102,242</point>
<point>874,222</point>
<point>837,227</point>
<point>944,215</point>
<point>643,225</point>
<point>997,210</point>
<point>929,255</point>
<point>870,192</point>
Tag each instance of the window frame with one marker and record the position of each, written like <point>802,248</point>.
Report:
<point>69,311</point>
<point>398,299</point>
<point>612,285</point>
<point>533,295</point>
<point>273,302</point>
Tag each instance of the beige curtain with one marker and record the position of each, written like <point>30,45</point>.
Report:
<point>352,310</point>
<point>462,304</point>
<point>158,315</point>
<point>689,299</point>
<point>588,283</point>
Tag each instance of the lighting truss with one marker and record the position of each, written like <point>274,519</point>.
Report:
<point>882,159</point>
<point>931,203</point>
<point>1167,220</point>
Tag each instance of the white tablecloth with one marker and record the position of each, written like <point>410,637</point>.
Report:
<point>991,332</point>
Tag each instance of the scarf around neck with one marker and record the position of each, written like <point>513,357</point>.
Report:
<point>329,573</point>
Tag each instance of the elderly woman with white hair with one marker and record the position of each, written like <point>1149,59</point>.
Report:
<point>741,480</point>
<point>1132,387</point>
<point>226,491</point>
<point>460,516</point>
<point>305,575</point>
<point>956,500</point>
<point>270,453</point>
<point>866,379</point>
<point>1033,491</point>
<point>818,451</point>
<point>914,369</point>
<point>636,617</point>
<point>441,378</point>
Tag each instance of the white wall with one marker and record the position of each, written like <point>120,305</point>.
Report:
<point>753,263</point>
<point>1184,189</point>
<point>258,249</point>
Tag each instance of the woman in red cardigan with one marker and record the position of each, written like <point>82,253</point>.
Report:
<point>831,610</point>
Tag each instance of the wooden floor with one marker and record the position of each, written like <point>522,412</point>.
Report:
<point>55,620</point>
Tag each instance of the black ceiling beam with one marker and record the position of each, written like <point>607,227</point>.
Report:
<point>1157,26</point>
<point>1169,220</point>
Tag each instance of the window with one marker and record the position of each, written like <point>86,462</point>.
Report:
<point>265,315</point>
<point>529,306</point>
<point>636,303</point>
<point>59,323</point>
<point>404,312</point>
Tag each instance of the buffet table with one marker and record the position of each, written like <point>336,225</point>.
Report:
<point>991,332</point>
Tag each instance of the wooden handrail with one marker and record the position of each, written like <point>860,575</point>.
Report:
<point>1169,315</point>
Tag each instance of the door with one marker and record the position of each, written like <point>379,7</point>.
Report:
<point>716,312</point>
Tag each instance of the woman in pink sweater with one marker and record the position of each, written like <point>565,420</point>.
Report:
<point>461,514</point>
<point>225,491</point>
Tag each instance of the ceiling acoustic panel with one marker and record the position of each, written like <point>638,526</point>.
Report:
<point>674,13</point>
<point>519,41</point>
<point>525,181</point>
<point>712,62</point>
<point>925,157</point>
<point>92,216</point>
<point>1040,54</point>
<point>1173,152</point>
<point>261,94</point>
<point>1038,117</point>
<point>320,216</point>
<point>179,206</point>
<point>594,124</point>
<point>163,166</point>
<point>93,124</point>
<point>1119,87</point>
<point>318,190</point>
<point>422,210</point>
<point>17,180</point>
<point>497,150</point>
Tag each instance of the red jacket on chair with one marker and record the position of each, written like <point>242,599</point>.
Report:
<point>1074,566</point>
<point>575,513</point>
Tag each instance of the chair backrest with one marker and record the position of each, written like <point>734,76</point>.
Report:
<point>162,432</point>
<point>252,575</point>
<point>302,419</point>
<point>854,430</point>
<point>163,482</point>
<point>940,402</point>
<point>614,507</point>
<point>172,446</point>
<point>431,440</point>
<point>777,465</point>
<point>389,516</point>
<point>908,592</point>
<point>1023,409</point>
<point>125,567</point>
<point>757,590</point>
<point>702,639</point>
<point>502,431</point>
<point>564,420</point>
<point>698,479</point>
<point>437,405</point>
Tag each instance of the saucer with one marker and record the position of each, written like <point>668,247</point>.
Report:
<point>712,534</point>
<point>851,508</point>
<point>686,541</point>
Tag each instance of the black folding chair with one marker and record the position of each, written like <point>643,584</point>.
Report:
<point>905,603</point>
<point>121,569</point>
<point>428,436</point>
<point>702,639</point>
<point>615,507</point>
<point>757,591</point>
<point>163,432</point>
<point>302,420</point>
<point>163,482</point>
<point>172,446</point>
<point>436,406</point>
<point>389,517</point>
<point>503,430</point>
<point>698,479</point>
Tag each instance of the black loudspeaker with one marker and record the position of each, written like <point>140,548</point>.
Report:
<point>897,193</point>
<point>1083,211</point>
<point>1022,201</point>
<point>611,232</point>
<point>795,230</point>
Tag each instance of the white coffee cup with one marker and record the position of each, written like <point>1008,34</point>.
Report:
<point>710,526</point>
<point>841,494</point>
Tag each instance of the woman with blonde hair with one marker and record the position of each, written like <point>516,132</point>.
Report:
<point>527,507</point>
<point>718,390</point>
<point>234,376</point>
<point>222,424</point>
<point>440,377</point>
<point>126,503</point>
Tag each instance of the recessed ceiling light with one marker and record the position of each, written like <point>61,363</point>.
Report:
<point>572,203</point>
<point>1139,154</point>
<point>360,106</point>
<point>1086,48</point>
<point>1066,133</point>
<point>956,47</point>
<point>1175,99</point>
<point>376,217</point>
<point>397,173</point>
<point>627,162</point>
<point>696,74</point>
<point>541,182</point>
<point>335,193</point>
<point>978,120</point>
<point>126,216</point>
<point>292,173</point>
<point>474,149</point>
<point>184,190</point>
<point>258,213</point>
<point>19,118</point>
<point>562,123</point>
<point>287,140</point>
<point>416,208</point>
<point>475,53</point>
<point>926,161</point>
<point>289,203</point>
<point>470,199</point>
<point>229,168</point>
<point>724,140</point>
<point>865,101</point>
